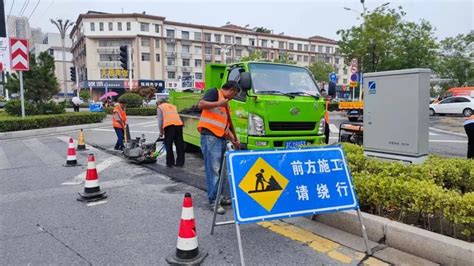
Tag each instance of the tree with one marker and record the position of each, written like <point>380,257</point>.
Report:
<point>455,63</point>
<point>262,29</point>
<point>384,41</point>
<point>255,55</point>
<point>40,83</point>
<point>321,70</point>
<point>85,95</point>
<point>283,59</point>
<point>146,92</point>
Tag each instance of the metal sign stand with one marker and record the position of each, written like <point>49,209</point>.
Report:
<point>214,223</point>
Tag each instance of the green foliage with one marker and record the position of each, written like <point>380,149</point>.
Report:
<point>253,56</point>
<point>439,191</point>
<point>262,29</point>
<point>384,41</point>
<point>139,111</point>
<point>146,92</point>
<point>284,59</point>
<point>455,63</point>
<point>13,108</point>
<point>132,99</point>
<point>44,121</point>
<point>40,83</point>
<point>85,95</point>
<point>321,70</point>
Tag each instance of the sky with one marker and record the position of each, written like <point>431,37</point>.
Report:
<point>294,18</point>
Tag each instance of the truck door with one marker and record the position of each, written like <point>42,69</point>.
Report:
<point>238,107</point>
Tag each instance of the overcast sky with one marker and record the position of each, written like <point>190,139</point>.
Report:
<point>294,18</point>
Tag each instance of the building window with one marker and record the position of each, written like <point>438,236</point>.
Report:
<point>186,62</point>
<point>265,55</point>
<point>313,48</point>
<point>92,26</point>
<point>145,56</point>
<point>197,36</point>
<point>208,50</point>
<point>170,48</point>
<point>144,26</point>
<point>291,57</point>
<point>336,60</point>
<point>281,45</point>
<point>217,51</point>
<point>207,37</point>
<point>320,49</point>
<point>101,26</point>
<point>186,74</point>
<point>344,81</point>
<point>157,57</point>
<point>157,43</point>
<point>170,33</point>
<point>157,28</point>
<point>328,49</point>
<point>119,26</point>
<point>217,37</point>
<point>299,58</point>
<point>252,42</point>
<point>197,62</point>
<point>145,42</point>
<point>129,26</point>
<point>292,46</point>
<point>305,58</point>
<point>197,50</point>
<point>313,59</point>
<point>227,39</point>
<point>198,76</point>
<point>238,40</point>
<point>300,47</point>
<point>344,71</point>
<point>170,61</point>
<point>264,43</point>
<point>111,26</point>
<point>306,48</point>
<point>207,62</point>
<point>185,49</point>
<point>171,75</point>
<point>185,35</point>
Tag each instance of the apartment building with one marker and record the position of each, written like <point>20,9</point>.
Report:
<point>168,51</point>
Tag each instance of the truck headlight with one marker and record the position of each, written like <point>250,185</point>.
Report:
<point>256,125</point>
<point>322,126</point>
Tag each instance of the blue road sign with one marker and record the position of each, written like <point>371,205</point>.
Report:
<point>277,184</point>
<point>333,77</point>
<point>372,87</point>
<point>354,77</point>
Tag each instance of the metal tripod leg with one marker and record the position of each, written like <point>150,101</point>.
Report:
<point>219,191</point>
<point>364,233</point>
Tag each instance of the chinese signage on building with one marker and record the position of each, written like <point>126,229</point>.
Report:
<point>111,73</point>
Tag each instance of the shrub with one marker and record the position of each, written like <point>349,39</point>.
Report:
<point>13,107</point>
<point>51,108</point>
<point>85,95</point>
<point>140,111</point>
<point>132,99</point>
<point>44,121</point>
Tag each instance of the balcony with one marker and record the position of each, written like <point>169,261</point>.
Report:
<point>207,57</point>
<point>170,54</point>
<point>186,69</point>
<point>186,55</point>
<point>103,50</point>
<point>111,64</point>
<point>186,42</point>
<point>171,68</point>
<point>170,40</point>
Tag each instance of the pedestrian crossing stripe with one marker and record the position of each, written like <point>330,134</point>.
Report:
<point>263,184</point>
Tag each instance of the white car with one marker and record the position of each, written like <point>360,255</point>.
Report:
<point>453,105</point>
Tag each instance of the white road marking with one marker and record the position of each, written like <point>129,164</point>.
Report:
<point>43,152</point>
<point>4,163</point>
<point>131,131</point>
<point>140,124</point>
<point>433,134</point>
<point>333,128</point>
<point>152,125</point>
<point>79,179</point>
<point>448,132</point>
<point>90,204</point>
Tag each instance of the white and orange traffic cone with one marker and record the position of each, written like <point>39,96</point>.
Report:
<point>92,190</point>
<point>71,159</point>
<point>187,250</point>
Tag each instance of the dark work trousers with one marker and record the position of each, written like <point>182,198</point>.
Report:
<point>76,107</point>
<point>174,134</point>
<point>119,143</point>
<point>470,140</point>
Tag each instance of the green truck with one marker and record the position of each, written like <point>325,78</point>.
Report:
<point>279,105</point>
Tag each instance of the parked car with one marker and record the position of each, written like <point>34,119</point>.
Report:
<point>453,105</point>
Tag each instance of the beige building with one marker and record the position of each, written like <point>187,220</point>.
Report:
<point>167,50</point>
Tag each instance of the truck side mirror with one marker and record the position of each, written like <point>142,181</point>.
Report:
<point>245,81</point>
<point>332,89</point>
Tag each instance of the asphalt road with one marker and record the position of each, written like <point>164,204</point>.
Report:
<point>41,221</point>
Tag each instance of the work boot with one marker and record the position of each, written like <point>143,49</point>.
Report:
<point>220,210</point>
<point>226,201</point>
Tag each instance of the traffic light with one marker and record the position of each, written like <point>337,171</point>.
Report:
<point>73,73</point>
<point>124,56</point>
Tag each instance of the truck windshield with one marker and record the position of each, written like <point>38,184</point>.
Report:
<point>273,78</point>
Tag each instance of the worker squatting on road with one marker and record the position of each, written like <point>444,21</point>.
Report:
<point>171,127</point>
<point>469,127</point>
<point>215,127</point>
<point>119,122</point>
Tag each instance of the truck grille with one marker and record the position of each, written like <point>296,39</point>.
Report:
<point>290,126</point>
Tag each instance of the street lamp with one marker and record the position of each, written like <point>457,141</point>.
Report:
<point>224,50</point>
<point>63,26</point>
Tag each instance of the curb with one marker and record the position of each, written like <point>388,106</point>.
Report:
<point>419,242</point>
<point>48,131</point>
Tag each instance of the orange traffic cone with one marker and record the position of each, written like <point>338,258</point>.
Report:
<point>92,190</point>
<point>187,250</point>
<point>71,159</point>
<point>81,144</point>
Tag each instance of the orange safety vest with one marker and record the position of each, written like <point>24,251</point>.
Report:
<point>215,119</point>
<point>122,115</point>
<point>170,115</point>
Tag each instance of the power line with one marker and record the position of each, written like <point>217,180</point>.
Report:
<point>34,9</point>
<point>10,12</point>
<point>46,10</point>
<point>27,3</point>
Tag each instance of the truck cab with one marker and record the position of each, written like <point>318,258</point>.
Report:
<point>279,105</point>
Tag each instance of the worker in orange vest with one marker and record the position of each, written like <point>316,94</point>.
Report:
<point>171,127</point>
<point>469,127</point>
<point>215,127</point>
<point>119,122</point>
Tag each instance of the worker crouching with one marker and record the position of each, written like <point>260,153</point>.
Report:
<point>171,127</point>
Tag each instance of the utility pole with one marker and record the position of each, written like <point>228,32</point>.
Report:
<point>63,26</point>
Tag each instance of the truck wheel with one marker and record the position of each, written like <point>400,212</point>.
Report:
<point>353,119</point>
<point>432,112</point>
<point>467,112</point>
